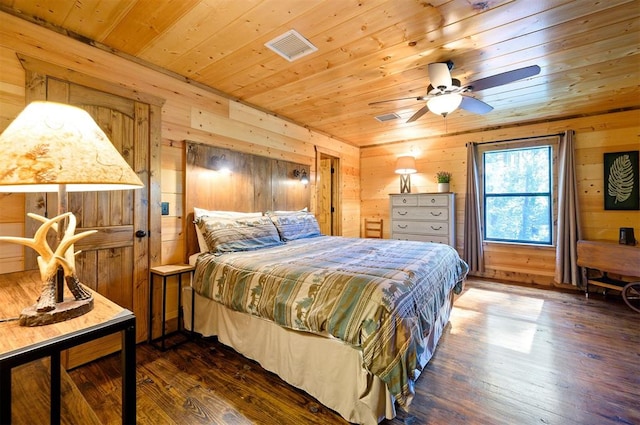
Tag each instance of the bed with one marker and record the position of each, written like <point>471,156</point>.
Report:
<point>350,321</point>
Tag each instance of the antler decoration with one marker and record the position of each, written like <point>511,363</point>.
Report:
<point>48,259</point>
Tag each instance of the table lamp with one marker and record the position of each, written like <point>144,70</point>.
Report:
<point>54,147</point>
<point>405,166</point>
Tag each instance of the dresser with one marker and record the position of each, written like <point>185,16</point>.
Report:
<point>427,217</point>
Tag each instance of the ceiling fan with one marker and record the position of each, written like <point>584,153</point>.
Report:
<point>445,94</point>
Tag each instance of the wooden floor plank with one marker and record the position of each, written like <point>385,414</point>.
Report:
<point>512,354</point>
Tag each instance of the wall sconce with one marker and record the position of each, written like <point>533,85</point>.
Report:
<point>219,163</point>
<point>405,166</point>
<point>302,175</point>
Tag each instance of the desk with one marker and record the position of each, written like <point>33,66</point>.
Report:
<point>608,257</point>
<point>20,345</point>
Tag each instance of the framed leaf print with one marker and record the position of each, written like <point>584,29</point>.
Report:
<point>621,181</point>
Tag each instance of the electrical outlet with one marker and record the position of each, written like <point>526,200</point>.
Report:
<point>165,208</point>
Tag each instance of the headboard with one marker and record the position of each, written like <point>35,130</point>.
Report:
<point>256,183</point>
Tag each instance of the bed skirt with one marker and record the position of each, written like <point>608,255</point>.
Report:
<point>324,367</point>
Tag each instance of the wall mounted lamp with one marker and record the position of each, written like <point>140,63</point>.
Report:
<point>219,163</point>
<point>302,175</point>
<point>405,166</point>
<point>54,147</point>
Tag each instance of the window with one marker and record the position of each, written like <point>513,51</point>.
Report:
<point>517,191</point>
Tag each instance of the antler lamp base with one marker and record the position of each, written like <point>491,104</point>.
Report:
<point>46,310</point>
<point>68,309</point>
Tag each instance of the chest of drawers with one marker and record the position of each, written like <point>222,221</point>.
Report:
<point>427,217</point>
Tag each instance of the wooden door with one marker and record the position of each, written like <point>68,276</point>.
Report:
<point>324,196</point>
<point>114,262</point>
<point>328,213</point>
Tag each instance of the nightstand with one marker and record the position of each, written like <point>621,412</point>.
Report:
<point>20,345</point>
<point>165,272</point>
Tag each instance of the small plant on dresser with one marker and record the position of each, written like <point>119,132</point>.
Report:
<point>443,178</point>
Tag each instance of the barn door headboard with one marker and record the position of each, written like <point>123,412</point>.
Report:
<point>256,183</point>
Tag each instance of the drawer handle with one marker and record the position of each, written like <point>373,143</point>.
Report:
<point>433,200</point>
<point>436,228</point>
<point>402,226</point>
<point>436,215</point>
<point>402,212</point>
<point>404,200</point>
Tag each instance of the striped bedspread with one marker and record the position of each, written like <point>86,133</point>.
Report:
<point>380,296</point>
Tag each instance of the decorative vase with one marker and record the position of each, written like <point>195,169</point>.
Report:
<point>443,187</point>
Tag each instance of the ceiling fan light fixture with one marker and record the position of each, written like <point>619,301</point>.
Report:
<point>444,104</point>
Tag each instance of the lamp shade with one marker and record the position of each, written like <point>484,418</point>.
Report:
<point>405,165</point>
<point>52,144</point>
<point>444,104</point>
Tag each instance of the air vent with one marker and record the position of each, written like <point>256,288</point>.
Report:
<point>291,45</point>
<point>387,117</point>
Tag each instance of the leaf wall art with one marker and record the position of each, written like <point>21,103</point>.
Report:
<point>621,181</point>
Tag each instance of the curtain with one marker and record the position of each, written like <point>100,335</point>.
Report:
<point>567,270</point>
<point>473,251</point>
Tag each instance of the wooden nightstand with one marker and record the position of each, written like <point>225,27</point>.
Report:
<point>20,345</point>
<point>167,271</point>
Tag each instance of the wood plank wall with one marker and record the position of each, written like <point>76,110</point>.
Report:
<point>189,113</point>
<point>254,184</point>
<point>595,135</point>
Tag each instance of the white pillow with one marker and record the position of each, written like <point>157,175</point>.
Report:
<point>200,212</point>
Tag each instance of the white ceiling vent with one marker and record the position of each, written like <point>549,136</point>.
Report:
<point>291,45</point>
<point>388,117</point>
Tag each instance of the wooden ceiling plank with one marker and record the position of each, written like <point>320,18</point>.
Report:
<point>330,29</point>
<point>561,59</point>
<point>314,24</point>
<point>566,78</point>
<point>204,20</point>
<point>362,49</point>
<point>239,33</point>
<point>51,11</point>
<point>366,58</point>
<point>144,22</point>
<point>96,18</point>
<point>335,76</point>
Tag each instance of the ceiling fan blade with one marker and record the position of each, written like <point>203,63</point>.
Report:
<point>474,105</point>
<point>504,78</point>
<point>395,100</point>
<point>439,75</point>
<point>418,114</point>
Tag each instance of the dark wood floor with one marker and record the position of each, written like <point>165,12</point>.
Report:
<point>511,355</point>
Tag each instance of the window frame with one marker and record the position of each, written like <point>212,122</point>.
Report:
<point>552,142</point>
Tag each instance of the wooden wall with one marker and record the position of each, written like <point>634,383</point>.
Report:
<point>595,135</point>
<point>189,113</point>
<point>253,184</point>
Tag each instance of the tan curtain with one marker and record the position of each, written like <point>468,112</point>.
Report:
<point>567,270</point>
<point>473,251</point>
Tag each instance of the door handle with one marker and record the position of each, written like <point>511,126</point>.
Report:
<point>141,234</point>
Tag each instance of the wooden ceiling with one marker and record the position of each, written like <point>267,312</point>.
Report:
<point>372,50</point>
